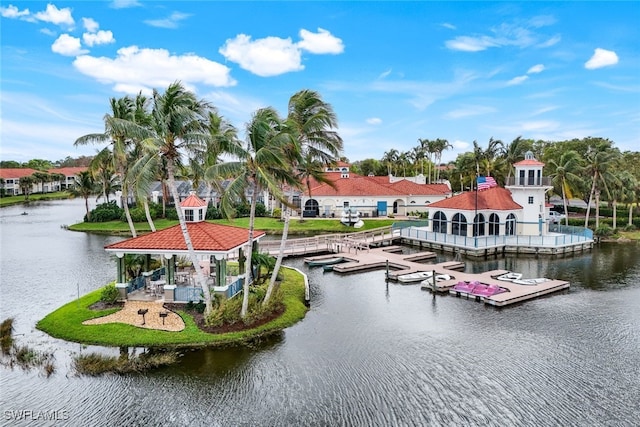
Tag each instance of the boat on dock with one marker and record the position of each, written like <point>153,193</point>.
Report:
<point>414,277</point>
<point>509,277</point>
<point>325,262</point>
<point>531,282</point>
<point>439,278</point>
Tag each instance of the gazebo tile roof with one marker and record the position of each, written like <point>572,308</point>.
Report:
<point>204,236</point>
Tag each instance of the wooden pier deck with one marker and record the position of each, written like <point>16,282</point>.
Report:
<point>398,264</point>
<point>516,293</point>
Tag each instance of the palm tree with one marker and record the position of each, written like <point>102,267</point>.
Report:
<point>566,176</point>
<point>84,187</point>
<point>121,129</point>
<point>222,136</point>
<point>101,168</point>
<point>26,186</point>
<point>261,165</point>
<point>40,178</point>
<point>439,145</point>
<point>178,126</point>
<point>514,152</point>
<point>390,158</point>
<point>600,158</point>
<point>312,121</point>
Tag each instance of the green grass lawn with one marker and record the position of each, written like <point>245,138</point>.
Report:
<point>17,200</point>
<point>66,323</point>
<point>269,225</point>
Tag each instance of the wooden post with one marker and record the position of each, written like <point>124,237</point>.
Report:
<point>433,276</point>
<point>387,273</point>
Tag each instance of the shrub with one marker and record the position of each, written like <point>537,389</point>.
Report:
<point>213,213</point>
<point>106,212</point>
<point>6,335</point>
<point>109,294</point>
<point>277,213</point>
<point>630,227</point>
<point>603,231</point>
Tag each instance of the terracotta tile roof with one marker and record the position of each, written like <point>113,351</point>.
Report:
<point>358,185</point>
<point>69,171</point>
<point>529,162</point>
<point>206,237</point>
<point>12,173</point>
<point>495,198</point>
<point>193,201</point>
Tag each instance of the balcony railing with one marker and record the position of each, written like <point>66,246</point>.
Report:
<point>518,181</point>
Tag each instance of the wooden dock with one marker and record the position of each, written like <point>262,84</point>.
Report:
<point>397,263</point>
<point>515,292</point>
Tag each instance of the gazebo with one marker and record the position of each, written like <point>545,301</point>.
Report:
<point>214,244</point>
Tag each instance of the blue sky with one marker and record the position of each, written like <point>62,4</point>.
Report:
<point>393,71</point>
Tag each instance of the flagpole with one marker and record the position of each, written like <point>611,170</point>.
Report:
<point>475,231</point>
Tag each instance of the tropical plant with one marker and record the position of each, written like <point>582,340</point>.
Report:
<point>177,127</point>
<point>565,175</point>
<point>121,131</point>
<point>312,122</point>
<point>84,187</point>
<point>262,165</point>
<point>600,159</point>
<point>26,186</point>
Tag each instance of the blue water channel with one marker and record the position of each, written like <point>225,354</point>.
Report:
<point>368,352</point>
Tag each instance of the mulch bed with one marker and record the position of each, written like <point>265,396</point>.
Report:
<point>223,329</point>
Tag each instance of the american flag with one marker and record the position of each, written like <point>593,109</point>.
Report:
<point>486,182</point>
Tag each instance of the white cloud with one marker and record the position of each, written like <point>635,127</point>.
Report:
<point>13,12</point>
<point>544,110</point>
<point>321,42</point>
<point>68,46</point>
<point>517,80</point>
<point>472,110</point>
<point>136,69</point>
<point>272,56</point>
<point>48,32</point>
<point>601,58</point>
<point>56,16</point>
<point>101,37</point>
<point>90,25</point>
<point>536,69</point>
<point>374,120</point>
<point>550,42</point>
<point>123,4</point>
<point>505,34</point>
<point>384,74</point>
<point>171,22</point>
<point>266,57</point>
<point>460,145</point>
<point>448,25</point>
<point>470,44</point>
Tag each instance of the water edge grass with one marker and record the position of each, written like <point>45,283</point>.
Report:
<point>66,323</point>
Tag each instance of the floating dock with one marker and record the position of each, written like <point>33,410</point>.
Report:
<point>396,263</point>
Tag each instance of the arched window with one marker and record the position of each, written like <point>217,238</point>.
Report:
<point>459,225</point>
<point>311,208</point>
<point>439,222</point>
<point>478,225</point>
<point>494,225</point>
<point>510,225</point>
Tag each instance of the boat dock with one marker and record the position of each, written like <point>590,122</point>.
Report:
<point>396,263</point>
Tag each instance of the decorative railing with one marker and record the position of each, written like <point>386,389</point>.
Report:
<point>494,241</point>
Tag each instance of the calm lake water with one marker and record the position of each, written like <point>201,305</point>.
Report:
<point>367,353</point>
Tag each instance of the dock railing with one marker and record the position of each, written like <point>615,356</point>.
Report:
<point>556,240</point>
<point>329,242</point>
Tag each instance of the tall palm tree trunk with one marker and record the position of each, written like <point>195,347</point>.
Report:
<point>125,205</point>
<point>247,272</point>
<point>593,189</point>
<point>147,213</point>
<point>564,202</point>
<point>187,239</point>
<point>276,269</point>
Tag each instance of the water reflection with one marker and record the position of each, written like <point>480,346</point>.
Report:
<point>369,352</point>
